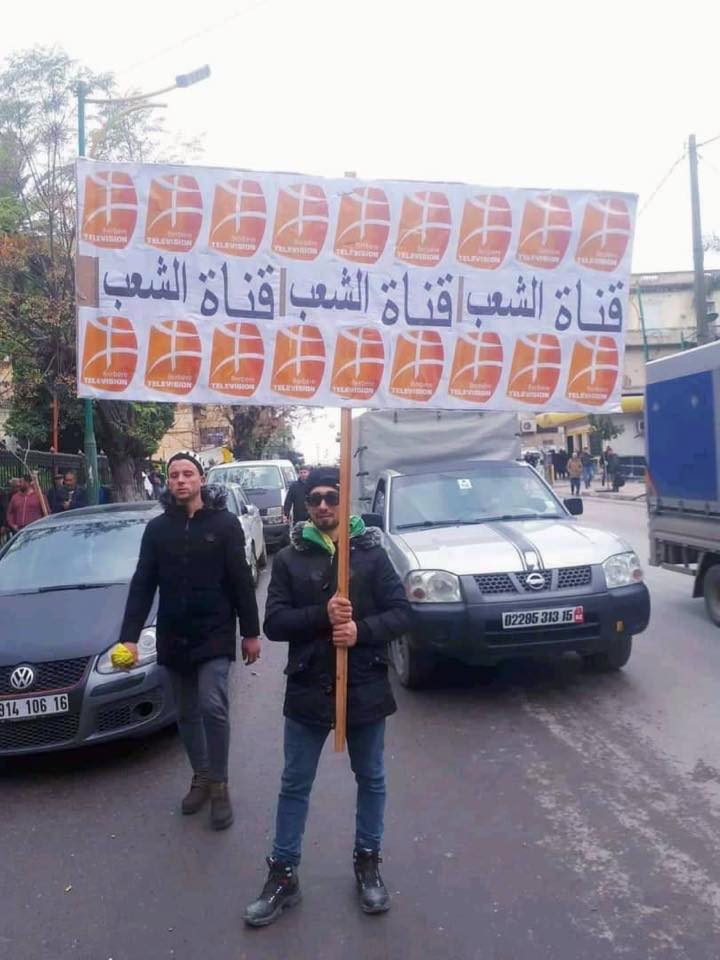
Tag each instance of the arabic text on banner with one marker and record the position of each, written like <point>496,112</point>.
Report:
<point>215,286</point>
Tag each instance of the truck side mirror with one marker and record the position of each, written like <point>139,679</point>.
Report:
<point>373,520</point>
<point>574,505</point>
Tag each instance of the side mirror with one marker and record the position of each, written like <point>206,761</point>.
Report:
<point>244,509</point>
<point>373,520</point>
<point>574,505</point>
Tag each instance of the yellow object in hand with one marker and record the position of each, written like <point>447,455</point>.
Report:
<point>120,656</point>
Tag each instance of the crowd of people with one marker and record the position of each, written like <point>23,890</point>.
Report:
<point>21,503</point>
<point>580,467</point>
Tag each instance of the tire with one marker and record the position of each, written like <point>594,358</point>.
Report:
<point>612,659</point>
<point>711,593</point>
<point>263,558</point>
<point>254,572</point>
<point>414,667</point>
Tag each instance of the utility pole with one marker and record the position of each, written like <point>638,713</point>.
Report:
<point>90,444</point>
<point>698,255</point>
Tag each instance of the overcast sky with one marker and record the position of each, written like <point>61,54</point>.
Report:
<point>526,94</point>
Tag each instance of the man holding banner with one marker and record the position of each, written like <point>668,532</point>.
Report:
<point>304,610</point>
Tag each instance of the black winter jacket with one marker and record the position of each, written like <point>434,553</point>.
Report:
<point>199,566</point>
<point>295,500</point>
<point>304,578</point>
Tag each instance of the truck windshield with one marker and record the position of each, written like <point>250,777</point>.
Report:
<point>250,478</point>
<point>470,495</point>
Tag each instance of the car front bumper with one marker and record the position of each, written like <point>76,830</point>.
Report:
<point>473,633</point>
<point>102,707</point>
<point>276,534</point>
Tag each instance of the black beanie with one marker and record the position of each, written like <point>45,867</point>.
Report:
<point>184,455</point>
<point>323,477</point>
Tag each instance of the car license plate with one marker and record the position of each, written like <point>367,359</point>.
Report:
<point>29,707</point>
<point>560,616</point>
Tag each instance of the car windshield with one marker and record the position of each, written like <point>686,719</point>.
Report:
<point>470,495</point>
<point>74,554</point>
<point>250,478</point>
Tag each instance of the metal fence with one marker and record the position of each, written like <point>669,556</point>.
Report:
<point>47,465</point>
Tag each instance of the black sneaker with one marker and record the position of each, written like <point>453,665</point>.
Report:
<point>374,897</point>
<point>282,889</point>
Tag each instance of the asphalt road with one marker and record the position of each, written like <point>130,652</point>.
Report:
<point>534,812</point>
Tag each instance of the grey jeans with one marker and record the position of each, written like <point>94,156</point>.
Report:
<point>201,700</point>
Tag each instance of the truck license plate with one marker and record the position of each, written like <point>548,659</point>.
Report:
<point>543,618</point>
<point>29,707</point>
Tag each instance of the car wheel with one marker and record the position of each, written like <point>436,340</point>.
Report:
<point>254,572</point>
<point>414,667</point>
<point>612,659</point>
<point>711,592</point>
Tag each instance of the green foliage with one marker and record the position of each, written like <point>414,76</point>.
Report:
<point>605,426</point>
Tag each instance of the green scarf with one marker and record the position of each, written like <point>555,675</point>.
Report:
<point>311,533</point>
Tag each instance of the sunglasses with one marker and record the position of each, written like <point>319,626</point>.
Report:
<point>332,499</point>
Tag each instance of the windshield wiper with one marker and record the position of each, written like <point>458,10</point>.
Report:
<point>79,586</point>
<point>424,523</point>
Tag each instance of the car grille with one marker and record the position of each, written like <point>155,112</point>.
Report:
<point>566,578</point>
<point>128,712</point>
<point>52,675</point>
<point>41,732</point>
<point>574,577</point>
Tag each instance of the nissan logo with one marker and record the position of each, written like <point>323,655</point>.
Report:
<point>535,581</point>
<point>22,677</point>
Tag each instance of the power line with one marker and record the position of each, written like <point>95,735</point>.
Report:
<point>662,183</point>
<point>193,36</point>
<point>709,164</point>
<point>711,140</point>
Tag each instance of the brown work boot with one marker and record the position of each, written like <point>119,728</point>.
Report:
<point>221,811</point>
<point>197,795</point>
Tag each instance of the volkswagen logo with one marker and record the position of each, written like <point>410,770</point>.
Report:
<point>535,581</point>
<point>22,677</point>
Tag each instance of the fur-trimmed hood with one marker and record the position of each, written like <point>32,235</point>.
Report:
<point>371,537</point>
<point>214,497</point>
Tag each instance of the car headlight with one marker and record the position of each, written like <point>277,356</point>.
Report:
<point>622,569</point>
<point>432,586</point>
<point>274,511</point>
<point>147,653</point>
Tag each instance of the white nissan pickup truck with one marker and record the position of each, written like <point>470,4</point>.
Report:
<point>495,565</point>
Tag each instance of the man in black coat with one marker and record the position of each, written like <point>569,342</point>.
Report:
<point>295,499</point>
<point>194,554</point>
<point>304,611</point>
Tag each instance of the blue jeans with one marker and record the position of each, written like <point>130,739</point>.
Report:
<point>303,746</point>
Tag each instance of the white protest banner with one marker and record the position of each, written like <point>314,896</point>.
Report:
<point>220,286</point>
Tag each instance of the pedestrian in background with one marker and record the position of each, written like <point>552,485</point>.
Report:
<point>75,496</point>
<point>611,460</point>
<point>575,469</point>
<point>295,499</point>
<point>57,494</point>
<point>304,611</point>
<point>194,554</point>
<point>588,468</point>
<point>24,506</point>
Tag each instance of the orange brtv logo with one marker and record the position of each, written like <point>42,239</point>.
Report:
<point>359,363</point>
<point>594,370</point>
<point>299,361</point>
<point>237,359</point>
<point>238,217</point>
<point>485,231</point>
<point>174,214</point>
<point>174,357</point>
<point>417,365</point>
<point>363,225</point>
<point>301,221</point>
<point>535,368</point>
<point>110,353</point>
<point>424,230</point>
<point>605,233</point>
<point>477,366</point>
<point>545,231</point>
<point>110,209</point>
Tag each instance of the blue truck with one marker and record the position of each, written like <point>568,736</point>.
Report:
<point>682,426</point>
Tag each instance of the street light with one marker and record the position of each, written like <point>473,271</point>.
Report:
<point>137,102</point>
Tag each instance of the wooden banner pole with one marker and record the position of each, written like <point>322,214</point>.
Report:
<point>343,548</point>
<point>40,494</point>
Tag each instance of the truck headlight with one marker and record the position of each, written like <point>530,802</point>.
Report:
<point>432,586</point>
<point>622,569</point>
<point>274,511</point>
<point>147,653</point>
